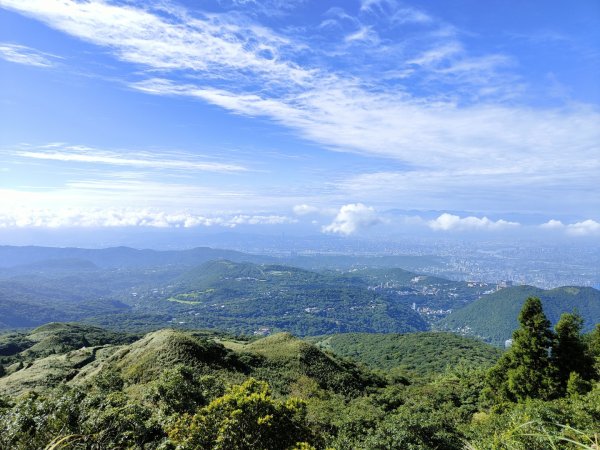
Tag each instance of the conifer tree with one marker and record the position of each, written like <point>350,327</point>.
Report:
<point>569,353</point>
<point>525,370</point>
<point>594,349</point>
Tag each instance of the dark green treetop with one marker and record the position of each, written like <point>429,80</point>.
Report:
<point>525,370</point>
<point>570,353</point>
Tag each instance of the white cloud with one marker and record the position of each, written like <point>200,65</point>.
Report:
<point>486,137</point>
<point>152,160</point>
<point>363,34</point>
<point>303,210</point>
<point>584,228</point>
<point>435,55</point>
<point>587,227</point>
<point>270,8</point>
<point>210,44</point>
<point>245,219</point>
<point>553,224</point>
<point>126,217</point>
<point>450,222</point>
<point>377,5</point>
<point>410,15</point>
<point>21,54</point>
<point>352,218</point>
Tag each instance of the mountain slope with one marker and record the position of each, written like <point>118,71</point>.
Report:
<point>494,317</point>
<point>281,359</point>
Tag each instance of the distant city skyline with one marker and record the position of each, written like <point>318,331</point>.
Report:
<point>343,118</point>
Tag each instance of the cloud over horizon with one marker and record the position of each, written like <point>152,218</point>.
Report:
<point>587,227</point>
<point>351,219</point>
<point>451,222</point>
<point>129,217</point>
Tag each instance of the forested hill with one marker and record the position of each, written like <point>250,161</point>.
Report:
<point>494,317</point>
<point>245,297</point>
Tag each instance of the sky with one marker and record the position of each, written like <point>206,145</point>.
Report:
<point>339,118</point>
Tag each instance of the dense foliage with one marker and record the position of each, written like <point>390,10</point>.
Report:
<point>542,364</point>
<point>187,390</point>
<point>420,354</point>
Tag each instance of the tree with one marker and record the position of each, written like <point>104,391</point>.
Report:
<point>179,390</point>
<point>569,352</point>
<point>594,349</point>
<point>525,370</point>
<point>245,418</point>
<point>576,385</point>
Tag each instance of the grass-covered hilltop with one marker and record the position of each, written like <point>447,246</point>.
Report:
<point>71,386</point>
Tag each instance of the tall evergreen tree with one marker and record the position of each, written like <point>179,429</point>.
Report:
<point>594,349</point>
<point>525,370</point>
<point>570,353</point>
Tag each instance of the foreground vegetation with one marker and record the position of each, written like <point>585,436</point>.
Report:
<point>72,387</point>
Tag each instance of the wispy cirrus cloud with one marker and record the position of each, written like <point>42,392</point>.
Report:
<point>144,160</point>
<point>481,188</point>
<point>330,108</point>
<point>170,39</point>
<point>445,116</point>
<point>28,56</point>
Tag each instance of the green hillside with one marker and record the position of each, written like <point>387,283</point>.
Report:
<point>417,353</point>
<point>77,387</point>
<point>74,354</point>
<point>248,298</point>
<point>493,317</point>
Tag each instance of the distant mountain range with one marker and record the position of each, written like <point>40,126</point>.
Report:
<point>142,290</point>
<point>36,257</point>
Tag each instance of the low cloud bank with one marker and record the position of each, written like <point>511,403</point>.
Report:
<point>587,227</point>
<point>450,222</point>
<point>65,218</point>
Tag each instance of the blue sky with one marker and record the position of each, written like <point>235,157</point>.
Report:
<point>341,117</point>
